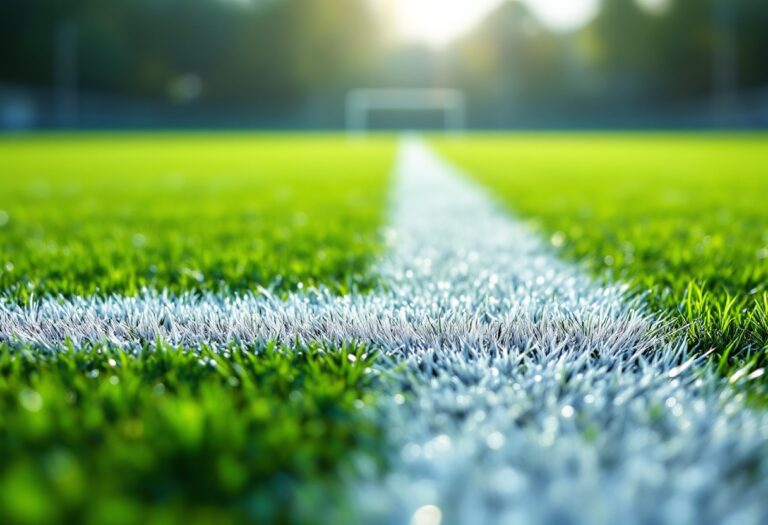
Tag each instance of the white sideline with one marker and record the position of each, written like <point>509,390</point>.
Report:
<point>532,394</point>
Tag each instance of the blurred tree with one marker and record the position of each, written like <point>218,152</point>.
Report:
<point>672,53</point>
<point>264,52</point>
<point>276,55</point>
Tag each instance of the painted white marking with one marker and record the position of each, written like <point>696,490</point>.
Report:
<point>530,394</point>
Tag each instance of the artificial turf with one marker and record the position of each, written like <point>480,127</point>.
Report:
<point>680,217</point>
<point>171,435</point>
<point>264,434</point>
<point>87,214</point>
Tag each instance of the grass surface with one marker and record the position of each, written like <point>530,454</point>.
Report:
<point>86,214</point>
<point>255,435</point>
<point>98,435</point>
<point>682,218</point>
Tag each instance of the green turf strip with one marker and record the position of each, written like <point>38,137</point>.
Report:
<point>83,214</point>
<point>169,436</point>
<point>683,217</point>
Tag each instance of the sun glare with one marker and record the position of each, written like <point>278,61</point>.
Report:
<point>564,15</point>
<point>437,22</point>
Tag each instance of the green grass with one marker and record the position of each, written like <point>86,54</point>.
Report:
<point>682,218</point>
<point>260,435</point>
<point>85,214</point>
<point>264,434</point>
<point>256,435</point>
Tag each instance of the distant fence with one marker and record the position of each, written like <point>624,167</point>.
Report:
<point>26,108</point>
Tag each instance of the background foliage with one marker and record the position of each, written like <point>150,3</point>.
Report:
<point>276,57</point>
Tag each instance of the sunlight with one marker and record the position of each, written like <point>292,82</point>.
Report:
<point>438,22</point>
<point>564,15</point>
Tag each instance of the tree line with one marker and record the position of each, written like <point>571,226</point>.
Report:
<point>275,54</point>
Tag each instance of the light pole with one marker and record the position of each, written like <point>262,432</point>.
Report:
<point>724,55</point>
<point>65,72</point>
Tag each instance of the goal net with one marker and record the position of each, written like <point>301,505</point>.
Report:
<point>361,103</point>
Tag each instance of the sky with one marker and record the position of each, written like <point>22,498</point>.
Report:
<point>437,22</point>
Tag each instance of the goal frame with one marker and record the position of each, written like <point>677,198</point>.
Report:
<point>360,102</point>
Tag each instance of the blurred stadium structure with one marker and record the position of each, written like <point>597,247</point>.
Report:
<point>288,64</point>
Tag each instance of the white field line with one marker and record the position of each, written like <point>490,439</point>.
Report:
<point>532,395</point>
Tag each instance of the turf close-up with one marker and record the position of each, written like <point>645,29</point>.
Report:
<point>494,328</point>
<point>90,433</point>
<point>384,262</point>
<point>680,218</point>
<point>101,215</point>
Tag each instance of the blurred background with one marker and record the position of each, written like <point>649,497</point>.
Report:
<point>290,64</point>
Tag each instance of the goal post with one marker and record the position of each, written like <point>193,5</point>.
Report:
<point>361,102</point>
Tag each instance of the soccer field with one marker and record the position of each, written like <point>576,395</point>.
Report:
<point>564,328</point>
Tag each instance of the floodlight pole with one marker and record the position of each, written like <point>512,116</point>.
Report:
<point>724,54</point>
<point>65,72</point>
